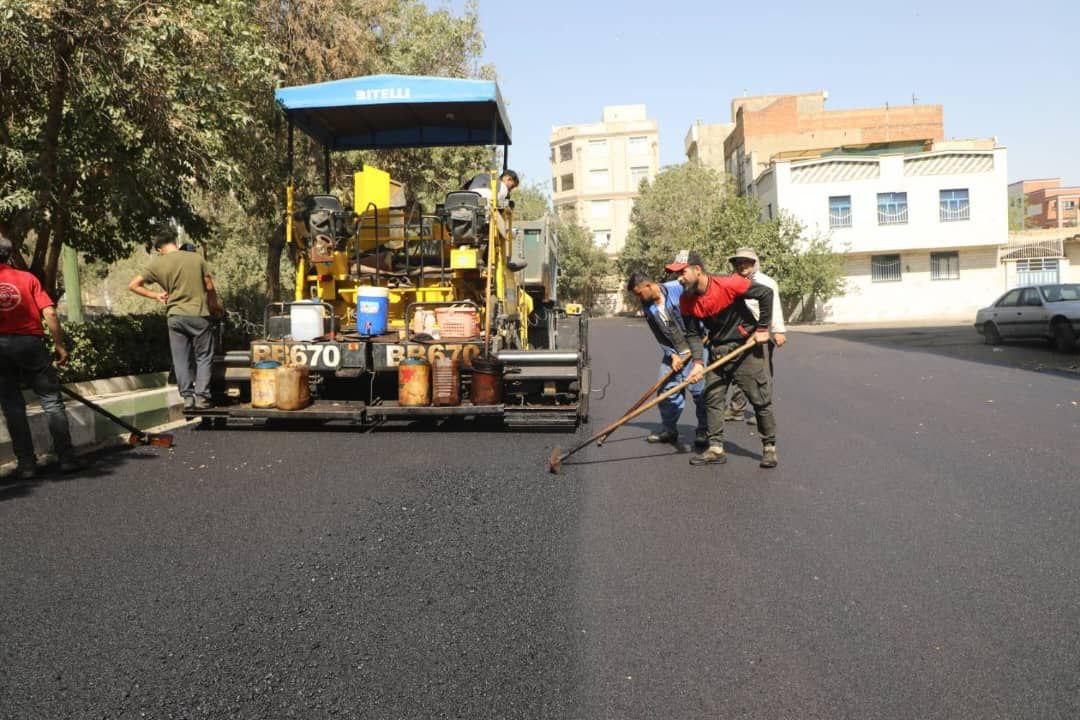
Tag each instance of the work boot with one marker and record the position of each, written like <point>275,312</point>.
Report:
<point>752,420</point>
<point>701,439</point>
<point>664,436</point>
<point>203,403</point>
<point>715,455</point>
<point>733,415</point>
<point>25,470</point>
<point>768,457</point>
<point>189,403</point>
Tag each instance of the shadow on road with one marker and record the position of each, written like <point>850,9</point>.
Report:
<point>963,343</point>
<point>100,463</point>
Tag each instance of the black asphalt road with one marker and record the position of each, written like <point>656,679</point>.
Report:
<point>915,555</point>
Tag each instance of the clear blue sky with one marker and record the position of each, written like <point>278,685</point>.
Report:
<point>1011,73</point>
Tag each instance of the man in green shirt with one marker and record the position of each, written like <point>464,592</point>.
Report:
<point>189,298</point>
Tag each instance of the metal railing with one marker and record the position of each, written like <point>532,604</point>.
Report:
<point>896,216</point>
<point>840,219</point>
<point>951,213</point>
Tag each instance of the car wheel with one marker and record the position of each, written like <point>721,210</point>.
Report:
<point>1064,337</point>
<point>991,334</point>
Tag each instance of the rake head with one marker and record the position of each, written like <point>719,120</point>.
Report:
<point>555,461</point>
<point>155,439</point>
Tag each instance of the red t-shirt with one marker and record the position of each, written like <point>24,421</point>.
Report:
<point>719,294</point>
<point>21,302</point>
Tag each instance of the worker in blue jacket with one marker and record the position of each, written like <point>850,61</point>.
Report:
<point>660,303</point>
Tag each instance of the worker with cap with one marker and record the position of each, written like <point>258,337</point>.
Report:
<point>660,303</point>
<point>745,262</point>
<point>25,357</point>
<point>719,304</point>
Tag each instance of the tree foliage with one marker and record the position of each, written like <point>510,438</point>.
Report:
<point>121,114</point>
<point>687,207</point>
<point>582,266</point>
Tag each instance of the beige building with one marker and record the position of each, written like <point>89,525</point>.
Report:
<point>705,144</point>
<point>597,168</point>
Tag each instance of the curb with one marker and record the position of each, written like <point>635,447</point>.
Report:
<point>145,401</point>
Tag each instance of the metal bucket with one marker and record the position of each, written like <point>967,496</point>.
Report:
<point>487,382</point>
<point>414,383</point>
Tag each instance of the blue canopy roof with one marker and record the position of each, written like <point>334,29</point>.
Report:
<point>398,111</point>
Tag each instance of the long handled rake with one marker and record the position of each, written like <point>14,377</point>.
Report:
<point>557,457</point>
<point>648,393</point>
<point>137,437</point>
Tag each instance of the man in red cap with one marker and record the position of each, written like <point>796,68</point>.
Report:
<point>724,322</point>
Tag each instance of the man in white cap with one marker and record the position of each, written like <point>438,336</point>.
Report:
<point>745,262</point>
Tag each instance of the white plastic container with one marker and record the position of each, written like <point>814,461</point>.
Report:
<point>306,320</point>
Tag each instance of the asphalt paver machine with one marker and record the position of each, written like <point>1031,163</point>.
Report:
<point>384,281</point>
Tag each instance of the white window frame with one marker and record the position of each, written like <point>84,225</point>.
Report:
<point>601,238</point>
<point>599,179</point>
<point>638,146</point>
<point>891,212</point>
<point>954,209</point>
<point>880,272</point>
<point>598,148</point>
<point>839,218</point>
<point>642,171</point>
<point>595,204</point>
<point>951,270</point>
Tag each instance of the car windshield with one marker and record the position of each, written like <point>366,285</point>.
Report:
<point>1061,293</point>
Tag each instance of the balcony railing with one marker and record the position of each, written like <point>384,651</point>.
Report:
<point>894,216</point>
<point>840,219</point>
<point>952,213</point>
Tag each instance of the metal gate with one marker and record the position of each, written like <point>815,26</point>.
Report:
<point>1037,271</point>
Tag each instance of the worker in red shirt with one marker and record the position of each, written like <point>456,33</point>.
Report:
<point>24,357</point>
<point>717,316</point>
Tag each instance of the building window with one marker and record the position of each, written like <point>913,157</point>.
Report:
<point>554,184</point>
<point>566,152</point>
<point>599,179</point>
<point>639,146</point>
<point>598,148</point>
<point>885,268</point>
<point>568,182</point>
<point>601,238</point>
<point>1068,204</point>
<point>601,209</point>
<point>955,205</point>
<point>892,208</point>
<point>552,158</point>
<point>769,206</point>
<point>637,174</point>
<point>840,211</point>
<point>945,266</point>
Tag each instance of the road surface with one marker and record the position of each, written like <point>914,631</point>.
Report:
<point>915,555</point>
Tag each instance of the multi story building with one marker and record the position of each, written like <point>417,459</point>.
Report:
<point>705,144</point>
<point>1035,204</point>
<point>597,168</point>
<point>921,229</point>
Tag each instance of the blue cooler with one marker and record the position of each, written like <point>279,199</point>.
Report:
<point>372,309</point>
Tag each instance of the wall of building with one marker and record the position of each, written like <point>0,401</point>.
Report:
<point>915,296</point>
<point>705,144</point>
<point>774,124</point>
<point>607,162</point>
<point>803,188</point>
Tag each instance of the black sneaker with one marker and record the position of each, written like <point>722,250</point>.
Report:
<point>715,455</point>
<point>701,439</point>
<point>26,471</point>
<point>768,457</point>
<point>202,403</point>
<point>664,436</point>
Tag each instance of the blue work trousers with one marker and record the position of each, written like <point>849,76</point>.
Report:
<point>672,407</point>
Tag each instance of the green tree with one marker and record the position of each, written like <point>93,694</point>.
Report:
<point>113,113</point>
<point>531,203</point>
<point>688,207</point>
<point>672,213</point>
<point>582,266</point>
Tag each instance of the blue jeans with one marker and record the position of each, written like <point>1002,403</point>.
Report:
<point>26,358</point>
<point>671,408</point>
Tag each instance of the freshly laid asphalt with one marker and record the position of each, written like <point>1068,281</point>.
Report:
<point>915,555</point>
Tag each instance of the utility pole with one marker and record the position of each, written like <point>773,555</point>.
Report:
<point>72,285</point>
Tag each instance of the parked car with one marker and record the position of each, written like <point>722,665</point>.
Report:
<point>1039,311</point>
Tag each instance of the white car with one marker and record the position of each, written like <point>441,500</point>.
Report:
<point>1039,311</point>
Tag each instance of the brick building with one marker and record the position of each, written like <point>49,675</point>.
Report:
<point>1043,204</point>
